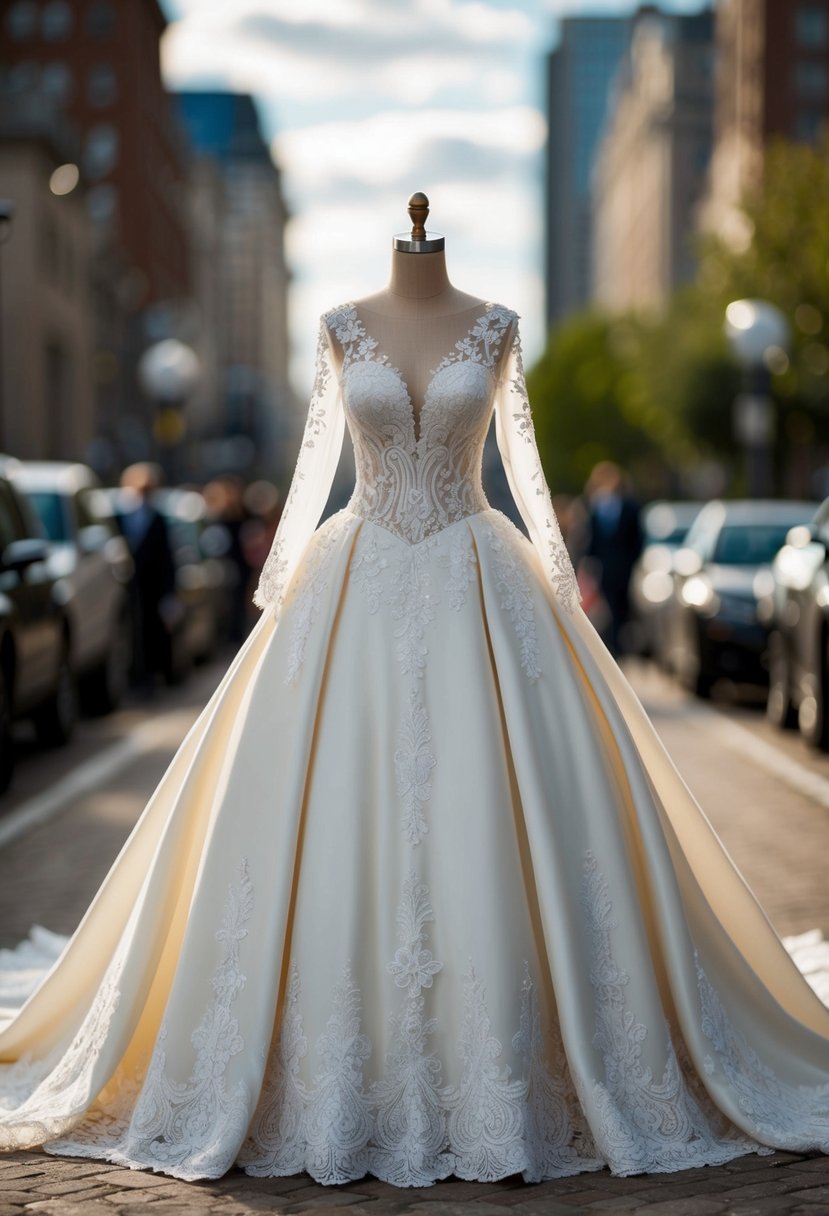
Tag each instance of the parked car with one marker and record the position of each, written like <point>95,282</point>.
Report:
<point>797,612</point>
<point>720,574</point>
<point>194,630</point>
<point>664,526</point>
<point>36,676</point>
<point>199,578</point>
<point>91,557</point>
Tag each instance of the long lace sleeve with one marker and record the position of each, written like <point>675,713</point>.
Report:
<point>515,434</point>
<point>319,455</point>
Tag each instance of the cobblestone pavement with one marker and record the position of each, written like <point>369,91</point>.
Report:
<point>768,797</point>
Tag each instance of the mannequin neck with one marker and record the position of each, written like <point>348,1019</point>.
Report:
<point>419,276</point>
<point>419,289</point>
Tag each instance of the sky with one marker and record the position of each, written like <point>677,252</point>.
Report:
<point>365,101</point>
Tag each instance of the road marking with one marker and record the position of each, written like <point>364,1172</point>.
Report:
<point>765,755</point>
<point>708,718</point>
<point>89,776</point>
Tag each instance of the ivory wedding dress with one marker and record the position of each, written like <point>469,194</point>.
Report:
<point>421,893</point>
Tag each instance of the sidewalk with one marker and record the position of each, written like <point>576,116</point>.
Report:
<point>752,1186</point>
<point>776,832</point>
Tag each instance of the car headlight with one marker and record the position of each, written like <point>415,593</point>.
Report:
<point>697,592</point>
<point>657,586</point>
<point>763,584</point>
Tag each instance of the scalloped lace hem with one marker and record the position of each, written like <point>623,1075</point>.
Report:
<point>438,1167</point>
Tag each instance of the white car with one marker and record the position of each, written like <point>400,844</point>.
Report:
<point>93,563</point>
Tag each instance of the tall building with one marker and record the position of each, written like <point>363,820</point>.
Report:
<point>581,71</point>
<point>652,162</point>
<point>96,63</point>
<point>772,79</point>
<point>46,313</point>
<point>241,275</point>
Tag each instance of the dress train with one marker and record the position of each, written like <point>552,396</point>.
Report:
<point>421,893</point>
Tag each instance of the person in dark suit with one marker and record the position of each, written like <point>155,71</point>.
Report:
<point>154,581</point>
<point>613,543</point>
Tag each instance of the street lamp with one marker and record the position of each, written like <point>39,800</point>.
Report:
<point>6,217</point>
<point>757,332</point>
<point>168,371</point>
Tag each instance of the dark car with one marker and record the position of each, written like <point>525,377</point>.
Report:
<point>36,676</point>
<point>91,556</point>
<point>199,578</point>
<point>721,574</point>
<point>194,618</point>
<point>797,611</point>
<point>664,527</point>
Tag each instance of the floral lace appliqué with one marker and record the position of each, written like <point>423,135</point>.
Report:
<point>314,581</point>
<point>407,1126</point>
<point>789,1115</point>
<point>515,591</point>
<point>413,762</point>
<point>527,467</point>
<point>274,576</point>
<point>646,1123</point>
<point>418,484</point>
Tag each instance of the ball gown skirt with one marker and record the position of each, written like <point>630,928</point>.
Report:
<point>421,892</point>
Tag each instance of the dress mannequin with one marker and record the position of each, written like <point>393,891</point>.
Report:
<point>470,921</point>
<point>419,316</point>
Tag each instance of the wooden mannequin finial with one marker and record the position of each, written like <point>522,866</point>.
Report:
<point>418,213</point>
<point>418,240</point>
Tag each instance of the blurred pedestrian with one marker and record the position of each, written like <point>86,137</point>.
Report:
<point>265,505</point>
<point>613,542</point>
<point>156,608</point>
<point>225,497</point>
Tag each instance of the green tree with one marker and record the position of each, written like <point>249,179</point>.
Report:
<point>655,392</point>
<point>585,401</point>
<point>652,393</point>
<point>785,259</point>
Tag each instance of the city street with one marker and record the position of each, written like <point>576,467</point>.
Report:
<point>69,811</point>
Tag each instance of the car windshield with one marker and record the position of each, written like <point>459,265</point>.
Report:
<point>49,508</point>
<point>749,544</point>
<point>674,538</point>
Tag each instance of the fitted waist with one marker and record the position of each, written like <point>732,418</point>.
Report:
<point>419,515</point>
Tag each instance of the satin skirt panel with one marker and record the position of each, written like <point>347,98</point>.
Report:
<point>420,894</point>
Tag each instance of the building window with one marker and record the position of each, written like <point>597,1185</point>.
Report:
<point>21,78</point>
<point>21,20</point>
<point>101,203</point>
<point>811,79</point>
<point>702,155</point>
<point>56,82</point>
<point>56,365</point>
<point>100,19</point>
<point>56,22</point>
<point>101,150</point>
<point>812,26</point>
<point>49,250</point>
<point>807,125</point>
<point>101,85</point>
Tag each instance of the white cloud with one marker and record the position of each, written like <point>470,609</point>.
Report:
<point>318,50</point>
<point>365,101</point>
<point>390,145</point>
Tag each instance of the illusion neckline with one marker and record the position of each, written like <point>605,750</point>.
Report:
<point>381,358</point>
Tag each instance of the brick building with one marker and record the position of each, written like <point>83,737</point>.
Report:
<point>772,79</point>
<point>95,63</point>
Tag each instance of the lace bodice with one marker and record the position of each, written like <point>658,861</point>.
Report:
<point>417,479</point>
<point>417,475</point>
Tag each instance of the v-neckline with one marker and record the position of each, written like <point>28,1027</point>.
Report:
<point>378,355</point>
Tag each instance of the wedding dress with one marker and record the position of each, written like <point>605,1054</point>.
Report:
<point>421,893</point>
